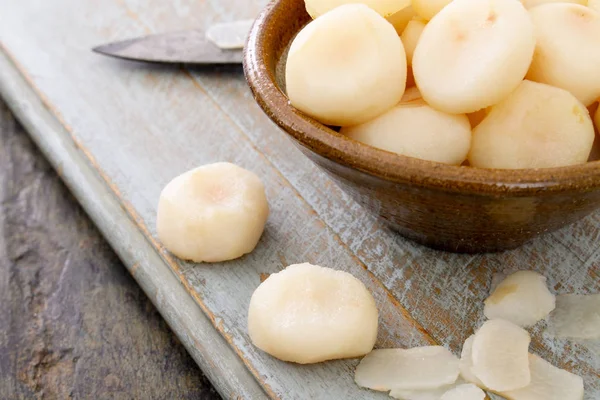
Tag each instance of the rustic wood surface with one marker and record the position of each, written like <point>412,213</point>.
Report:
<point>141,125</point>
<point>73,322</point>
<point>208,348</point>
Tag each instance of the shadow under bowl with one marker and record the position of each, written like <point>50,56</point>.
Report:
<point>458,209</point>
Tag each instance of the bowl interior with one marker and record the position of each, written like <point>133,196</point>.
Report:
<point>264,65</point>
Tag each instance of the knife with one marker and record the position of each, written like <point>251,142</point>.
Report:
<point>222,43</point>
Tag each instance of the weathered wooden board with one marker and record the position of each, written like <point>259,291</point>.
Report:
<point>209,349</point>
<point>141,125</point>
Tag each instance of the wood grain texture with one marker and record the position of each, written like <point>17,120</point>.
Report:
<point>208,348</point>
<point>73,323</point>
<point>142,125</point>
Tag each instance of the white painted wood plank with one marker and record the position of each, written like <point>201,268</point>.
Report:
<point>223,367</point>
<point>444,292</point>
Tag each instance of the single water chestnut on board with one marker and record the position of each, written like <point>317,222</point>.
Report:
<point>308,314</point>
<point>213,213</point>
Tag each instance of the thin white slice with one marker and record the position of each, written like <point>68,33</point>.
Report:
<point>473,54</point>
<point>415,129</point>
<point>567,53</point>
<point>401,19</point>
<point>542,376</point>
<point>213,213</point>
<point>500,355</point>
<point>417,369</point>
<point>466,363</point>
<point>464,392</point>
<point>410,37</point>
<point>431,394</point>
<point>576,317</point>
<point>548,383</point>
<point>427,394</point>
<point>308,314</point>
<point>385,8</point>
<point>427,9</point>
<point>346,67</point>
<point>537,126</point>
<point>522,298</point>
<point>230,35</point>
<point>534,3</point>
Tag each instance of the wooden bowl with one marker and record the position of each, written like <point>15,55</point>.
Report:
<point>459,209</point>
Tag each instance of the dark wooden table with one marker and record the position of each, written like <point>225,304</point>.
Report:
<point>73,323</point>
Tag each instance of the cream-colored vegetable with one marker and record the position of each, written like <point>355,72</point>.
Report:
<point>466,363</point>
<point>410,38</point>
<point>385,8</point>
<point>522,298</point>
<point>427,9</point>
<point>346,67</point>
<point>537,126</point>
<point>464,392</point>
<point>473,54</point>
<point>548,383</point>
<point>431,394</point>
<point>418,368</point>
<point>500,355</point>
<point>213,213</point>
<point>567,51</point>
<point>534,3</point>
<point>308,314</point>
<point>401,19</point>
<point>424,394</point>
<point>415,129</point>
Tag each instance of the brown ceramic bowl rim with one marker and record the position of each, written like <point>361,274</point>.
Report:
<point>386,165</point>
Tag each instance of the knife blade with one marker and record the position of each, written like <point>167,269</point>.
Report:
<point>221,44</point>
